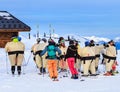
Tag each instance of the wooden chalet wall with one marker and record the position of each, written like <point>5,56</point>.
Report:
<point>6,37</point>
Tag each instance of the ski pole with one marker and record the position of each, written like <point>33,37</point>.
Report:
<point>6,64</point>
<point>28,59</point>
<point>80,71</point>
<point>24,61</point>
<point>42,66</point>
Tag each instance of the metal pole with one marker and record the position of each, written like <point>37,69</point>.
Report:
<point>7,64</point>
<point>50,30</point>
<point>28,60</point>
<point>37,31</point>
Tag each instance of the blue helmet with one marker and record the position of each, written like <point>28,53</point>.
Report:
<point>19,38</point>
<point>87,43</point>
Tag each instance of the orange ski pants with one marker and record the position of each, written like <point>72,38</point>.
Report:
<point>52,68</point>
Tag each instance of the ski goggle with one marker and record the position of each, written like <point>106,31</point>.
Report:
<point>62,41</point>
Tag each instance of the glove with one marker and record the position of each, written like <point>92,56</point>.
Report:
<point>114,45</point>
<point>64,59</point>
<point>58,58</point>
<point>78,56</point>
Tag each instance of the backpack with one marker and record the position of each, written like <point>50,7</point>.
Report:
<point>51,52</point>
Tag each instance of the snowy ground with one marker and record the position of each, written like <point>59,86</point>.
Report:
<point>32,82</point>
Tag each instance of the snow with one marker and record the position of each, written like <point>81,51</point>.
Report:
<point>8,17</point>
<point>97,39</point>
<point>4,14</point>
<point>117,39</point>
<point>30,81</point>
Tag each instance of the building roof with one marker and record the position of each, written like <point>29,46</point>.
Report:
<point>10,23</point>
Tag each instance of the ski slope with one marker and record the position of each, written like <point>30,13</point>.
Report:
<point>31,81</point>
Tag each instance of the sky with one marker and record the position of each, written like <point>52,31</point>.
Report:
<point>82,17</point>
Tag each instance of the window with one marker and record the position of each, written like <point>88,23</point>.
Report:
<point>9,26</point>
<point>14,25</point>
<point>4,26</point>
<point>19,25</point>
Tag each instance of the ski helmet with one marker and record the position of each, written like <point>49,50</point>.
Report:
<point>19,38</point>
<point>71,42</point>
<point>51,42</point>
<point>43,39</point>
<point>92,43</point>
<point>38,40</point>
<point>87,43</point>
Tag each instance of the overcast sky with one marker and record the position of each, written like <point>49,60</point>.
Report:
<point>83,17</point>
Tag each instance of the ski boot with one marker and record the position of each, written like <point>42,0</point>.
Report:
<point>19,70</point>
<point>13,70</point>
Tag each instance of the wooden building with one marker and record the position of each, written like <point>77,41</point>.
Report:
<point>9,26</point>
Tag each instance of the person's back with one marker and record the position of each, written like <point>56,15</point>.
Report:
<point>62,63</point>
<point>71,51</point>
<point>15,51</point>
<point>88,59</point>
<point>36,49</point>
<point>51,50</point>
<point>14,46</point>
<point>111,51</point>
<point>71,56</point>
<point>87,51</point>
<point>39,47</point>
<point>110,57</point>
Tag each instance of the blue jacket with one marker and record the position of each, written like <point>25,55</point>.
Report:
<point>46,49</point>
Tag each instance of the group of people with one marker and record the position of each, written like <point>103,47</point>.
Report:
<point>57,56</point>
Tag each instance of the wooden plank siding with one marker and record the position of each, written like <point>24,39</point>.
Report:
<point>6,37</point>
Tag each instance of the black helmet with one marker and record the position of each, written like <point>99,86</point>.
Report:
<point>14,36</point>
<point>92,43</point>
<point>50,40</point>
<point>43,39</point>
<point>71,42</point>
<point>60,39</point>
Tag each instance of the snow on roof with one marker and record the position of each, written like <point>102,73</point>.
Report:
<point>8,17</point>
<point>4,14</point>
